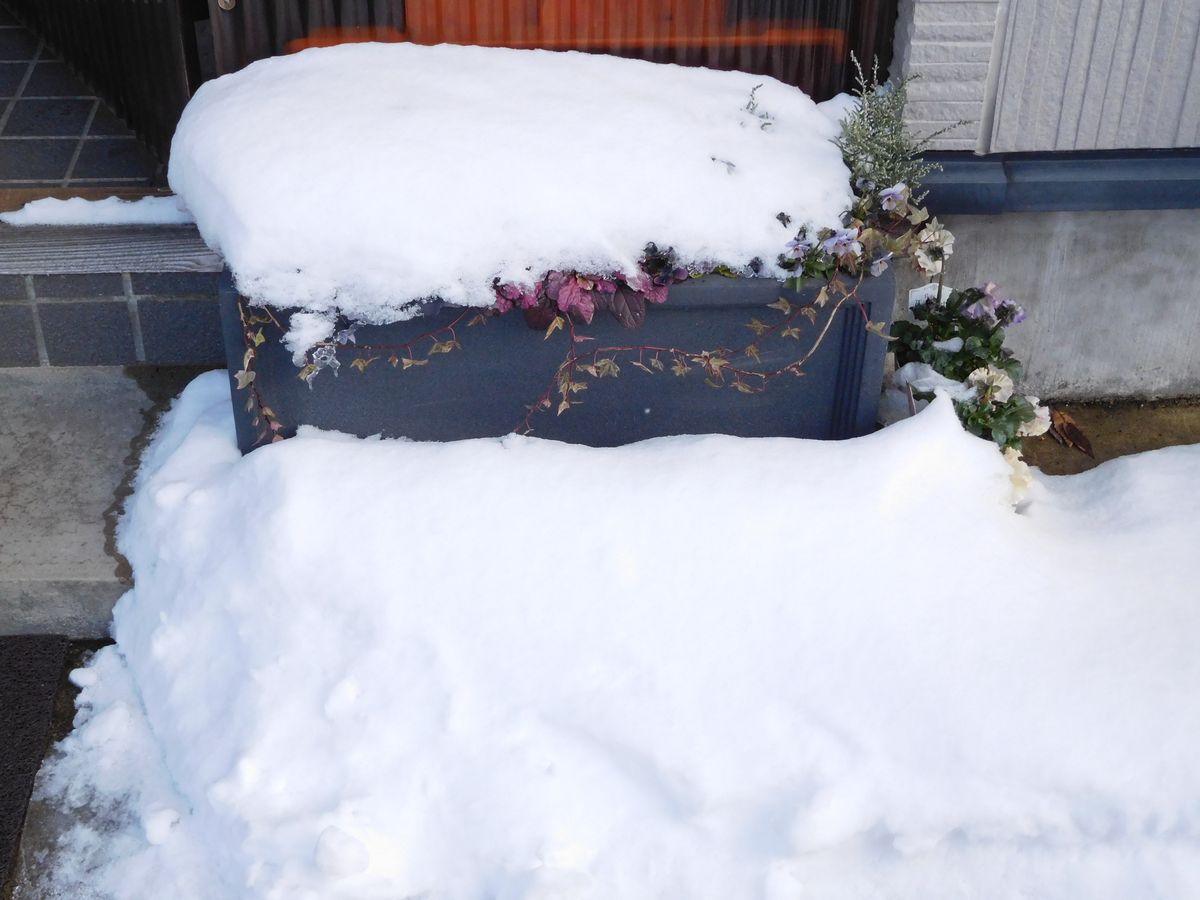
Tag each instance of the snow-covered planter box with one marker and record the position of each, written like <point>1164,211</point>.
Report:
<point>485,387</point>
<point>374,201</point>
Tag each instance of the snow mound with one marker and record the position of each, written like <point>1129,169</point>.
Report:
<point>367,176</point>
<point>696,667</point>
<point>109,211</point>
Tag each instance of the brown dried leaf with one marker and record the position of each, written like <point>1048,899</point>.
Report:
<point>1070,433</point>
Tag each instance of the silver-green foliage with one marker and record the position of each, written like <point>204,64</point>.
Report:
<point>874,142</point>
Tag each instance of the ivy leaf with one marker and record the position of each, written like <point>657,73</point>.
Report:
<point>564,406</point>
<point>259,338</point>
<point>641,365</point>
<point>657,363</point>
<point>810,314</point>
<point>782,305</point>
<point>879,328</point>
<point>743,387</point>
<point>361,363</point>
<point>244,377</point>
<point>248,358</point>
<point>756,326</point>
<point>822,296</point>
<point>679,367</point>
<point>409,362</point>
<point>791,332</point>
<point>752,352</point>
<point>608,367</point>
<point>558,323</point>
<point>444,347</point>
<point>307,373</point>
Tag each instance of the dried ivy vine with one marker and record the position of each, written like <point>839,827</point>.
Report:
<point>885,224</point>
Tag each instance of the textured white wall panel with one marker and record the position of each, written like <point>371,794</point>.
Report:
<point>1096,74</point>
<point>1053,74</point>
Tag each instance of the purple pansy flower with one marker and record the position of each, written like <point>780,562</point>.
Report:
<point>894,197</point>
<point>800,245</point>
<point>879,266</point>
<point>994,309</point>
<point>842,243</point>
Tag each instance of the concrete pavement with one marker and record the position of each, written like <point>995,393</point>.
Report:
<point>69,444</point>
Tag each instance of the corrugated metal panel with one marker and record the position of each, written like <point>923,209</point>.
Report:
<point>802,42</point>
<point>1097,74</point>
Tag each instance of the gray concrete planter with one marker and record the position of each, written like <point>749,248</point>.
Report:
<point>484,388</point>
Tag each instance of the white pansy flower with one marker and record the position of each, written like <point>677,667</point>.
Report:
<point>994,384</point>
<point>929,262</point>
<point>1020,477</point>
<point>934,245</point>
<point>1039,424</point>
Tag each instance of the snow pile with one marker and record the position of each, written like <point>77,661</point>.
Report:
<point>367,176</point>
<point>109,211</point>
<point>697,667</point>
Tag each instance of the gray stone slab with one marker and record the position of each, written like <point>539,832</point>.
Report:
<point>69,444</point>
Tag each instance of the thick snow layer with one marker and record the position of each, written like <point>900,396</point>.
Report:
<point>696,667</point>
<point>109,211</point>
<point>367,176</point>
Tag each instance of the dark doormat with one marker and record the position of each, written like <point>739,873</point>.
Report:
<point>30,668</point>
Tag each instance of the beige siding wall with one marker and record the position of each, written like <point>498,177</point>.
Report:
<point>1098,74</point>
<point>1053,74</point>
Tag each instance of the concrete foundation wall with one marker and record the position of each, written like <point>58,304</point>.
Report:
<point>1113,298</point>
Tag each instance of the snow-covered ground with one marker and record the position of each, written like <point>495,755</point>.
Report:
<point>109,211</point>
<point>697,667</point>
<point>430,171</point>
